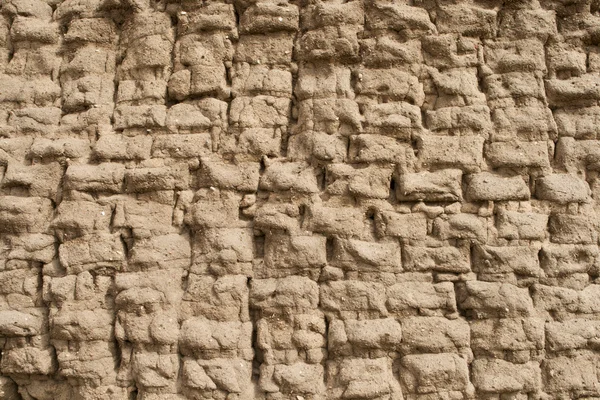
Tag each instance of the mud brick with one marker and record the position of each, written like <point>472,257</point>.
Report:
<point>277,295</point>
<point>518,260</point>
<point>461,226</point>
<point>580,123</point>
<point>92,252</point>
<point>502,89</point>
<point>357,377</point>
<point>459,120</point>
<point>530,124</point>
<point>35,119</point>
<point>434,373</point>
<point>293,176</point>
<point>242,176</point>
<point>577,373</point>
<point>223,245</point>
<point>521,225</point>
<point>494,299</point>
<point>156,178</point>
<point>59,148</point>
<point>562,189</point>
<point>261,80</point>
<point>196,117</point>
<point>496,336</point>
<point>118,147</point>
<point>274,49</point>
<point>371,334</point>
<point>259,112</point>
<point>387,51</point>
<point>392,83</point>
<point>200,335</point>
<point>474,21</point>
<point>31,247</point>
<point>144,218</point>
<point>486,187</point>
<point>377,148</point>
<point>577,91</point>
<point>221,299</point>
<point>414,21</point>
<point>141,91</point>
<point>168,251</point>
<point>222,375</point>
<point>457,86</point>
<point>211,17</point>
<point>573,229</point>
<point>572,334</point>
<point>442,185</point>
<point>327,14</point>
<point>407,226</point>
<point>518,154</point>
<point>564,259</point>
<point>372,181</point>
<point>20,324</point>
<point>412,298</point>
<point>295,252</point>
<point>465,153</point>
<point>25,214</point>
<point>299,377</point>
<point>435,335</point>
<point>181,146</point>
<point>267,17</point>
<point>41,180</point>
<point>213,208</point>
<point>498,376</point>
<point>527,24</point>
<point>397,119</point>
<point>353,296</point>
<point>341,221</point>
<point>352,254</point>
<point>329,42</point>
<point>330,115</point>
<point>322,81</point>
<point>92,30</point>
<point>514,55</point>
<point>27,360</point>
<point>38,91</point>
<point>440,259</point>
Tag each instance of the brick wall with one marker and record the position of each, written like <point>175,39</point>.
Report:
<point>299,200</point>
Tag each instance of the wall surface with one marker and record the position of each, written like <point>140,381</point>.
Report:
<point>299,200</point>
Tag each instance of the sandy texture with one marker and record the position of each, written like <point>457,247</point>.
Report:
<point>299,200</point>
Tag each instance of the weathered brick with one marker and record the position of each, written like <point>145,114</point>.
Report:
<point>486,186</point>
<point>352,254</point>
<point>443,185</point>
<point>465,153</point>
<point>573,229</point>
<point>461,226</point>
<point>434,373</point>
<point>498,376</point>
<point>494,299</point>
<point>407,226</point>
<point>518,260</point>
<point>421,297</point>
<point>495,336</point>
<point>435,334</point>
<point>562,188</point>
<point>518,154</point>
<point>353,296</point>
<point>521,225</point>
<point>440,259</point>
<point>25,214</point>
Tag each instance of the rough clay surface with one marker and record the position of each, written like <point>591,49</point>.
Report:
<point>299,200</point>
